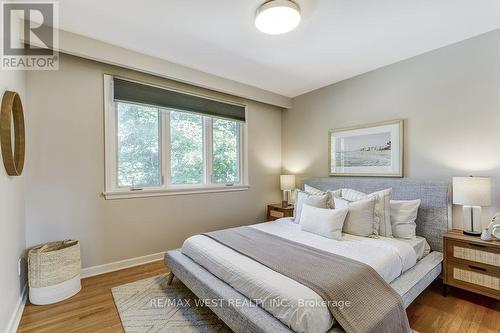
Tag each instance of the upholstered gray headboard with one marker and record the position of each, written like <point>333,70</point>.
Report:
<point>434,214</point>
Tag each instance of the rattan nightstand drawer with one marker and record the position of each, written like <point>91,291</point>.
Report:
<point>473,252</point>
<point>276,211</point>
<point>473,278</point>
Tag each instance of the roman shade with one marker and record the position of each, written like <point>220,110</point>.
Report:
<point>130,91</point>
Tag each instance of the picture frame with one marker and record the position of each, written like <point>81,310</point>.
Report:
<point>371,150</point>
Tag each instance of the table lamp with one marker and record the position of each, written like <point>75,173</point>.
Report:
<point>472,193</point>
<point>287,184</point>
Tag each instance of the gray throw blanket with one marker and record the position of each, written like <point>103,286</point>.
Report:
<point>374,305</point>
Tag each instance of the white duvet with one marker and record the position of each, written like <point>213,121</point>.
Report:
<point>388,256</point>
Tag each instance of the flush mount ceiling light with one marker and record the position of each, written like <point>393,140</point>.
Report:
<point>277,17</point>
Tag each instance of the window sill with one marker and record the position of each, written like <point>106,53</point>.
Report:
<point>158,193</point>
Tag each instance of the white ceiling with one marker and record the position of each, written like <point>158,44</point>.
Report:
<point>336,39</point>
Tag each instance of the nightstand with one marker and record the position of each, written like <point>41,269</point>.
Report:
<point>275,211</point>
<point>472,264</point>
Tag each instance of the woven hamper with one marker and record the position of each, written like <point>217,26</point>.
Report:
<point>54,271</point>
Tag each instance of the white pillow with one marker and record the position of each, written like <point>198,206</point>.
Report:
<point>403,216</point>
<point>360,220</point>
<point>320,201</point>
<point>324,222</point>
<point>382,208</point>
<point>316,191</point>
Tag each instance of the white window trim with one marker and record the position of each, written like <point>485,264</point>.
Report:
<point>112,191</point>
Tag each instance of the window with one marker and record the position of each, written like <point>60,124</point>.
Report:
<point>226,151</point>
<point>186,148</point>
<point>159,150</point>
<point>138,141</point>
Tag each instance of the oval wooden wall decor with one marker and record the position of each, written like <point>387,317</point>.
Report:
<point>12,109</point>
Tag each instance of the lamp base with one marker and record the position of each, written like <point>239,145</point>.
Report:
<point>286,198</point>
<point>472,220</point>
<point>472,233</point>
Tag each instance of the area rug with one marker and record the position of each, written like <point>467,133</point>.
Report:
<point>151,305</point>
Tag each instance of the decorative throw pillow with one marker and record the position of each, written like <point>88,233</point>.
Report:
<point>360,219</point>
<point>324,222</point>
<point>316,191</point>
<point>382,207</point>
<point>403,216</point>
<point>320,201</point>
<point>313,190</point>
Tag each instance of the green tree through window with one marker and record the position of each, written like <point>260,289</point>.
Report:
<point>186,152</point>
<point>138,145</point>
<point>226,142</point>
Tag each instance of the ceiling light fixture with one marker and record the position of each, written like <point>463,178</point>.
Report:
<point>277,17</point>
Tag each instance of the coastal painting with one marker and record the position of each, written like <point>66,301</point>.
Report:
<point>368,150</point>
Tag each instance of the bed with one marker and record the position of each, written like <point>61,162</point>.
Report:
<point>222,282</point>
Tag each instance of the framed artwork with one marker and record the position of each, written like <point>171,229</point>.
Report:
<point>369,150</point>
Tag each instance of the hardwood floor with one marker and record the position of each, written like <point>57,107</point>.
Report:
<point>93,309</point>
<point>460,311</point>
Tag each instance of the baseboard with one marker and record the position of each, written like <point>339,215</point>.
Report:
<point>18,313</point>
<point>117,265</point>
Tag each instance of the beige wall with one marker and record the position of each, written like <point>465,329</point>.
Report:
<point>66,173</point>
<point>451,101</point>
<point>12,239</point>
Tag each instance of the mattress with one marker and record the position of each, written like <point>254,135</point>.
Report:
<point>284,297</point>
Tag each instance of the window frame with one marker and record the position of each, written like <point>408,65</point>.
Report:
<point>113,191</point>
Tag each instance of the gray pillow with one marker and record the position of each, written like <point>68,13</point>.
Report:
<point>382,208</point>
<point>332,193</point>
<point>360,220</point>
<point>313,190</point>
<point>320,201</point>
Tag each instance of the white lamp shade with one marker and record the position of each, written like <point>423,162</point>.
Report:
<point>472,191</point>
<point>287,182</point>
